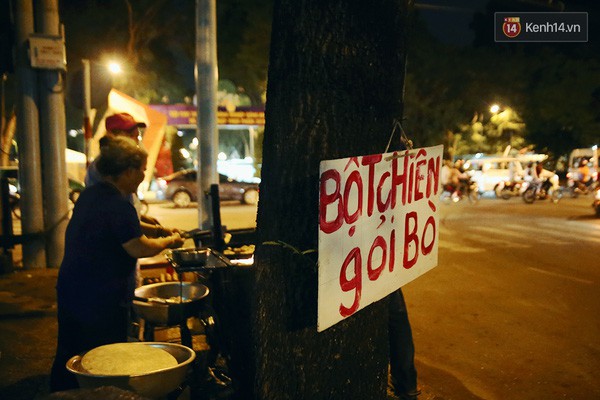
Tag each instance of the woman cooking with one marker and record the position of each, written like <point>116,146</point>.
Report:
<point>102,244</point>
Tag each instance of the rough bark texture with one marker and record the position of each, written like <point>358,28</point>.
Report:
<point>335,88</point>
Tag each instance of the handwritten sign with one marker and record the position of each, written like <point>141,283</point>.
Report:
<point>378,227</point>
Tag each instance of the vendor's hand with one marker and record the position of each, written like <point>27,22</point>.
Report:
<point>149,220</point>
<point>176,241</point>
<point>176,230</point>
<point>163,231</point>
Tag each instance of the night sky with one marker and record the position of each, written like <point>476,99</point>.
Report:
<point>449,21</point>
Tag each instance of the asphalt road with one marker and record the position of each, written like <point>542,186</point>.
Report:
<point>513,309</point>
<point>233,215</point>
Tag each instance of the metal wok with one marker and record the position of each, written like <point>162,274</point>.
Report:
<point>193,259</point>
<point>159,304</point>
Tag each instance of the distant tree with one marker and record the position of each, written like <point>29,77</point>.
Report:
<point>243,36</point>
<point>562,108</point>
<point>156,42</point>
<point>141,35</point>
<point>435,101</point>
<point>449,90</point>
<point>554,86</point>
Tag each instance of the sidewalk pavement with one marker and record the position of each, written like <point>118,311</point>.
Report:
<point>28,330</point>
<point>27,333</point>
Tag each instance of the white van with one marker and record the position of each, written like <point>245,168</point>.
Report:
<point>489,171</point>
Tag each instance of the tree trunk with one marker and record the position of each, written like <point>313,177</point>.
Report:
<point>335,88</point>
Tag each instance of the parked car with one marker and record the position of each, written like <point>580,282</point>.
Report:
<point>181,188</point>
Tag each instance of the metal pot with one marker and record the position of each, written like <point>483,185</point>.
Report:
<point>151,303</point>
<point>156,384</point>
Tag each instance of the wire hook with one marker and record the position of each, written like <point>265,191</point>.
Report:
<point>408,144</point>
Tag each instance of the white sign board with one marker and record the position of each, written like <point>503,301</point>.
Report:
<point>378,227</point>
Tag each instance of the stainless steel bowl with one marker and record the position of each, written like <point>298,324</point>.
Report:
<point>153,385</point>
<point>169,314</point>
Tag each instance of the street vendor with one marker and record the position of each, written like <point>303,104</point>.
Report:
<point>103,241</point>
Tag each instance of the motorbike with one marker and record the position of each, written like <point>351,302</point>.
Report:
<point>507,189</point>
<point>541,190</point>
<point>577,188</point>
<point>14,199</point>
<point>596,203</point>
<point>466,189</point>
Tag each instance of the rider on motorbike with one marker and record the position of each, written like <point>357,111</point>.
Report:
<point>456,183</point>
<point>459,179</point>
<point>585,177</point>
<point>542,184</point>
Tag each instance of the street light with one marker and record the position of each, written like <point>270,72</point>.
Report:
<point>114,68</point>
<point>494,108</point>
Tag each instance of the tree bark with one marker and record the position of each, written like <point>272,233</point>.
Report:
<point>335,89</point>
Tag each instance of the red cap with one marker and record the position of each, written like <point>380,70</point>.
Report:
<point>122,122</point>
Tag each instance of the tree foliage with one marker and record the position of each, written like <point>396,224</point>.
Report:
<point>244,34</point>
<point>140,35</point>
<point>553,88</point>
<point>155,41</point>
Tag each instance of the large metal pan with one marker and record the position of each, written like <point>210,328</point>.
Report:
<point>157,303</point>
<point>154,385</point>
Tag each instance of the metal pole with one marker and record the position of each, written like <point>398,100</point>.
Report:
<point>28,137</point>
<point>87,109</point>
<point>206,75</point>
<point>53,144</point>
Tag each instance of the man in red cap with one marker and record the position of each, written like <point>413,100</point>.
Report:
<point>116,125</point>
<point>123,124</point>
